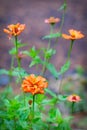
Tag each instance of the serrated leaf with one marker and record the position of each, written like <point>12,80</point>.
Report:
<point>54,35</point>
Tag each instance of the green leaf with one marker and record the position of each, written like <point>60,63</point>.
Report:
<point>55,115</point>
<point>58,116</point>
<point>39,98</point>
<point>52,70</point>
<point>12,51</point>
<point>33,52</point>
<point>64,126</point>
<point>26,53</point>
<point>51,93</point>
<point>19,45</point>
<point>7,103</point>
<point>49,53</point>
<point>48,101</point>
<point>54,35</point>
<point>62,97</point>
<point>19,72</point>
<point>65,67</point>
<point>3,71</point>
<point>63,7</point>
<point>36,60</point>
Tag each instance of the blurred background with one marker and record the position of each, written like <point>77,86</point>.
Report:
<point>33,13</point>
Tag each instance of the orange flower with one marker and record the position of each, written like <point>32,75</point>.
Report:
<point>73,98</point>
<point>74,34</point>
<point>52,20</point>
<point>34,85</point>
<point>14,29</point>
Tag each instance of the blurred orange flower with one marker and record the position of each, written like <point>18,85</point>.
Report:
<point>52,20</point>
<point>73,98</point>
<point>14,29</point>
<point>34,84</point>
<point>74,34</point>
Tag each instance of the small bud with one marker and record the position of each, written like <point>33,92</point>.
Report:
<point>30,102</point>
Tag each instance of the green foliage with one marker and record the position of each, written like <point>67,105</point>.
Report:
<point>12,51</point>
<point>53,70</point>
<point>54,35</point>
<point>4,71</point>
<point>65,67</point>
<point>63,7</point>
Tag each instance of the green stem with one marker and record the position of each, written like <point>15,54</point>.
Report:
<point>70,49</point>
<point>16,45</point>
<point>45,57</point>
<point>33,103</point>
<point>11,69</point>
<point>14,123</point>
<point>73,104</point>
<point>63,16</point>
<point>62,21</point>
<point>18,59</point>
<point>68,57</point>
<point>24,99</point>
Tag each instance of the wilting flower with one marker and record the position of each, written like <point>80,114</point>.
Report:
<point>74,34</point>
<point>14,29</point>
<point>73,98</point>
<point>34,84</point>
<point>21,55</point>
<point>52,20</point>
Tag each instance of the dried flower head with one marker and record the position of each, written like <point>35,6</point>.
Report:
<point>34,84</point>
<point>14,29</point>
<point>52,20</point>
<point>74,34</point>
<point>73,98</point>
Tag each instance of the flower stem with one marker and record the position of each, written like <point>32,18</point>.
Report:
<point>70,49</point>
<point>45,56</point>
<point>63,16</point>
<point>16,45</point>
<point>73,104</point>
<point>33,103</point>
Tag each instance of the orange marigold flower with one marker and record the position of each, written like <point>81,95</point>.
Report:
<point>74,34</point>
<point>52,20</point>
<point>14,29</point>
<point>34,84</point>
<point>73,98</point>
